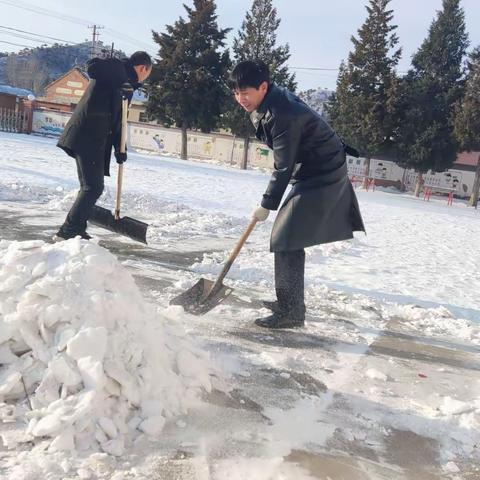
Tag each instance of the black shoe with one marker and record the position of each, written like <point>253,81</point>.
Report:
<point>60,236</point>
<point>278,320</point>
<point>276,308</point>
<point>273,306</point>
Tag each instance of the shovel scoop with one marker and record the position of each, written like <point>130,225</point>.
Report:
<point>207,294</point>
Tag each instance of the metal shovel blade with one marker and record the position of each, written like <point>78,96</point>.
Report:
<point>129,227</point>
<point>200,298</point>
<point>206,294</point>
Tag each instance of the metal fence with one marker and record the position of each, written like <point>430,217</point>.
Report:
<point>13,121</point>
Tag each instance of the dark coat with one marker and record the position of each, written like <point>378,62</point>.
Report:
<point>321,206</point>
<point>95,125</point>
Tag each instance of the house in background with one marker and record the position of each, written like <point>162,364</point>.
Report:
<point>52,111</point>
<point>66,90</point>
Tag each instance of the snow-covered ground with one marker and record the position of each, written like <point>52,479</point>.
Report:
<point>384,381</point>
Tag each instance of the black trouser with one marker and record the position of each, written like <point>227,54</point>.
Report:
<point>90,170</point>
<point>289,281</point>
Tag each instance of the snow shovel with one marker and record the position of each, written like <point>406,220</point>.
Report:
<point>206,294</point>
<point>102,217</point>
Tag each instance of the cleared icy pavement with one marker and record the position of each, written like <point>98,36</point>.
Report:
<point>365,391</point>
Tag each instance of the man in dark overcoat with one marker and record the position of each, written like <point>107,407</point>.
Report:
<point>94,128</point>
<point>321,206</point>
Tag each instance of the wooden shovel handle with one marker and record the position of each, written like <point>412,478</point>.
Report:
<point>119,191</point>
<point>123,141</point>
<point>235,253</point>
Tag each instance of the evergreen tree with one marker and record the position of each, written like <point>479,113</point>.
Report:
<point>257,39</point>
<point>187,87</point>
<point>362,108</point>
<point>467,118</point>
<point>425,136</point>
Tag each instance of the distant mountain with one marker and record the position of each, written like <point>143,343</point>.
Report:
<point>316,98</point>
<point>35,68</point>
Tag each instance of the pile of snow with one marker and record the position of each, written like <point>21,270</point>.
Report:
<point>435,322</point>
<point>100,365</point>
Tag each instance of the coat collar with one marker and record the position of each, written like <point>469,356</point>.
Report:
<point>257,115</point>
<point>131,74</point>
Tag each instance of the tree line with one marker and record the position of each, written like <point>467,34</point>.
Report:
<point>188,86</point>
<point>421,120</point>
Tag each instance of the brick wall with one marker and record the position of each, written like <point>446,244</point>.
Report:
<point>67,89</point>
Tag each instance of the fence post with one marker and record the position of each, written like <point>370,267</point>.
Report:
<point>12,121</point>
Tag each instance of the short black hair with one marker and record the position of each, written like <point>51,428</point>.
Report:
<point>141,58</point>
<point>249,74</point>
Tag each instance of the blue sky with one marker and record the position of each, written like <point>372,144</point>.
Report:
<point>318,31</point>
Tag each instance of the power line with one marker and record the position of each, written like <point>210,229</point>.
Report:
<point>16,44</point>
<point>318,69</point>
<point>127,38</point>
<point>315,68</point>
<point>26,37</point>
<point>68,18</point>
<point>44,11</point>
<point>35,34</point>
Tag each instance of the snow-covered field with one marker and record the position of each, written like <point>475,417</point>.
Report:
<point>384,381</point>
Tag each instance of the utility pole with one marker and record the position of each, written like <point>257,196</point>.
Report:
<point>95,35</point>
